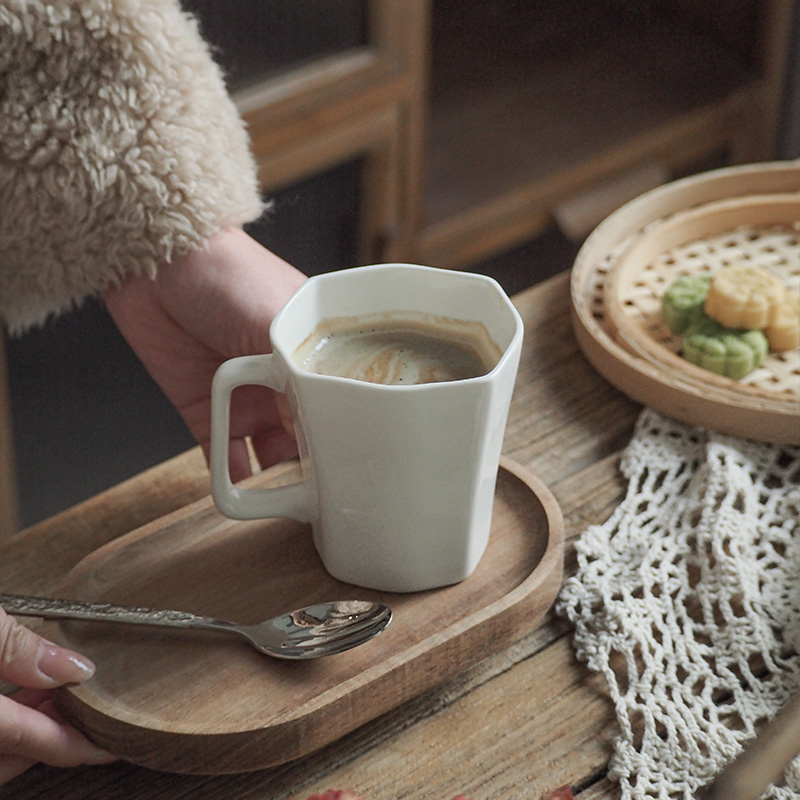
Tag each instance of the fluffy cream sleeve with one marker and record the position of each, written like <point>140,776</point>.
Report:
<point>119,147</point>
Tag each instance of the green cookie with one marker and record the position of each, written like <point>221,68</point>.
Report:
<point>733,353</point>
<point>684,300</point>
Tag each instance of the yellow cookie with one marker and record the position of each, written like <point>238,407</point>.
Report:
<point>744,297</point>
<point>783,332</point>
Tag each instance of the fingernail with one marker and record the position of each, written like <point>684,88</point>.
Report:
<point>62,665</point>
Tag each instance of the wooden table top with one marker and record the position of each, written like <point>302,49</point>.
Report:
<point>516,725</point>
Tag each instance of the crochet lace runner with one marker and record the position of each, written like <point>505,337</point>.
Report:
<point>688,601</point>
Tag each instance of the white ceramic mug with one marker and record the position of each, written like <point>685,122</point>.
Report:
<point>398,480</point>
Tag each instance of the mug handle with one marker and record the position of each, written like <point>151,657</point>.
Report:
<point>282,501</point>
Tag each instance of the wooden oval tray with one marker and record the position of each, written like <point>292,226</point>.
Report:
<point>200,703</point>
<point>698,224</point>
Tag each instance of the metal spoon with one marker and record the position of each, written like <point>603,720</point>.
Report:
<point>311,632</point>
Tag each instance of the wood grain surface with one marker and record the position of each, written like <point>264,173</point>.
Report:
<point>523,721</point>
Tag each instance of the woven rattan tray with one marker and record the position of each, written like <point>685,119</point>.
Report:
<point>736,215</point>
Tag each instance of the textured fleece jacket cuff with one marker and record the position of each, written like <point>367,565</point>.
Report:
<point>119,148</point>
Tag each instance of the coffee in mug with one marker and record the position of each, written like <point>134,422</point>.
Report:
<point>399,349</point>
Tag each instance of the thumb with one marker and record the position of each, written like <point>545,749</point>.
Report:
<point>26,659</point>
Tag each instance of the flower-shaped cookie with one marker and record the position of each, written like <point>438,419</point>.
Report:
<point>733,353</point>
<point>783,331</point>
<point>684,300</point>
<point>744,297</point>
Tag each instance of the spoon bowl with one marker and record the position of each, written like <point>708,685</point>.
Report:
<point>318,630</point>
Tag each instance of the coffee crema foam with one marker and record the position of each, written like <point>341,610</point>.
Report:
<point>398,349</point>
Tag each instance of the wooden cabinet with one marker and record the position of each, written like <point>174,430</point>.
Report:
<point>477,121</point>
<point>534,103</point>
<point>364,101</point>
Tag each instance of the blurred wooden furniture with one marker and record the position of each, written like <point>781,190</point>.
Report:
<point>477,122</point>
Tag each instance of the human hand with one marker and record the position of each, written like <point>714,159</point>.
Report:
<point>31,728</point>
<point>200,310</point>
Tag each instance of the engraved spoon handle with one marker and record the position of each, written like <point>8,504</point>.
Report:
<point>54,608</point>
